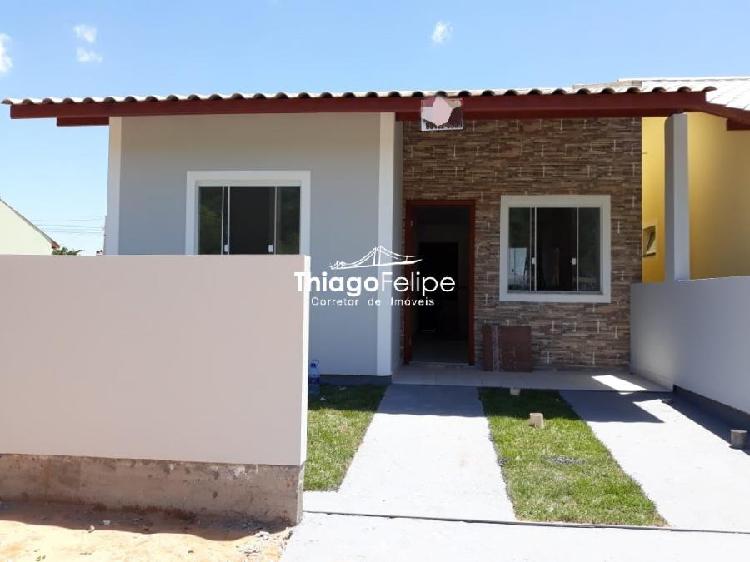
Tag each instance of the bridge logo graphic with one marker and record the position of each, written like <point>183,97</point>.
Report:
<point>379,256</point>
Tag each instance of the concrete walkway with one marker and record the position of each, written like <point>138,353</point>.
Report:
<point>677,454</point>
<point>427,453</point>
<point>333,538</point>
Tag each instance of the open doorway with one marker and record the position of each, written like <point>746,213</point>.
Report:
<point>441,235</point>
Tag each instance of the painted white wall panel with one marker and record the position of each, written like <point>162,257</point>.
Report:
<point>185,358</point>
<point>694,334</point>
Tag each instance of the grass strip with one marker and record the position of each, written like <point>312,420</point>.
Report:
<point>336,423</point>
<point>562,472</point>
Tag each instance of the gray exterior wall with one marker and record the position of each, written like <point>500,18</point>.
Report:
<point>340,150</point>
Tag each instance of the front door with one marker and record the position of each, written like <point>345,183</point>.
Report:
<point>248,219</point>
<point>441,235</point>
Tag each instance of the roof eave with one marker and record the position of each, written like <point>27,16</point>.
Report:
<point>508,105</point>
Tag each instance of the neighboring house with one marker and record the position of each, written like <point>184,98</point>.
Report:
<point>18,235</point>
<point>719,185</point>
<point>536,207</point>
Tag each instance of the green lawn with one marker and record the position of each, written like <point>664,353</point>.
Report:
<point>562,472</point>
<point>336,424</point>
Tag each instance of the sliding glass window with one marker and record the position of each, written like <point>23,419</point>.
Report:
<point>249,219</point>
<point>554,249</point>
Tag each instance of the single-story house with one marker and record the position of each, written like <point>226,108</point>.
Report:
<point>19,236</point>
<point>609,221</point>
<point>544,205</point>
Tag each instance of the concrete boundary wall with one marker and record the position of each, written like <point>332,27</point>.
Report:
<point>191,361</point>
<point>694,334</point>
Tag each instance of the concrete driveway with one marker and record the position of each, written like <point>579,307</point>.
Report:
<point>425,485</point>
<point>678,454</point>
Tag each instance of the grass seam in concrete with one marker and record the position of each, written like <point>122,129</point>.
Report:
<point>557,524</point>
<point>592,488</point>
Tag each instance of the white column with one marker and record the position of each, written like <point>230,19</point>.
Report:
<point>676,199</point>
<point>112,220</point>
<point>385,236</point>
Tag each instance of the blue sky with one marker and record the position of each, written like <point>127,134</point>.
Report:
<point>57,177</point>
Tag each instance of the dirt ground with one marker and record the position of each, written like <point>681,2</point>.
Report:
<point>52,532</point>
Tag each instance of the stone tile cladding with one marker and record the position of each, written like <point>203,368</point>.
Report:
<point>492,158</point>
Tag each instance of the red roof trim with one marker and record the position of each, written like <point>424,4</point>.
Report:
<point>475,107</point>
<point>82,121</point>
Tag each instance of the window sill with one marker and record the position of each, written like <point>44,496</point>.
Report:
<point>555,297</point>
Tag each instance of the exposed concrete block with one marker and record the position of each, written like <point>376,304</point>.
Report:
<point>738,438</point>
<point>536,420</point>
<point>266,493</point>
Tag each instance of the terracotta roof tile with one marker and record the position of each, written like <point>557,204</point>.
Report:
<point>608,88</point>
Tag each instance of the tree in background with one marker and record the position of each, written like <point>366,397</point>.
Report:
<point>64,251</point>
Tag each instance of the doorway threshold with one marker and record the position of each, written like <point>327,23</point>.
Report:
<point>465,375</point>
<point>439,365</point>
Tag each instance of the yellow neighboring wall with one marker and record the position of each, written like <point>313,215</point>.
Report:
<point>652,132</point>
<point>18,236</point>
<point>719,176</point>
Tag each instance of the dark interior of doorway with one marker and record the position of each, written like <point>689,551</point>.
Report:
<point>441,237</point>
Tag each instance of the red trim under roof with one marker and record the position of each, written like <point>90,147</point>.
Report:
<point>532,104</point>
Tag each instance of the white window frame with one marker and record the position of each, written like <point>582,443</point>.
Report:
<point>602,202</point>
<point>247,178</point>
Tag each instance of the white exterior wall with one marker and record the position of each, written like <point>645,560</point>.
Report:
<point>18,237</point>
<point>199,358</point>
<point>342,153</point>
<point>114,173</point>
<point>694,334</point>
<point>387,203</point>
<point>398,237</point>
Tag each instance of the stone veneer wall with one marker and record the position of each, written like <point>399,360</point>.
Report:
<point>489,159</point>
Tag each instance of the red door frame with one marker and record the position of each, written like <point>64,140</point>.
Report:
<point>411,205</point>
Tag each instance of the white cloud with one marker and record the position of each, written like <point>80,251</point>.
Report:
<point>85,32</point>
<point>87,55</point>
<point>6,63</point>
<point>442,32</point>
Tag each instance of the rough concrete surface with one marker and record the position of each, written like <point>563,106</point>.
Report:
<point>427,453</point>
<point>333,538</point>
<point>263,492</point>
<point>692,475</point>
